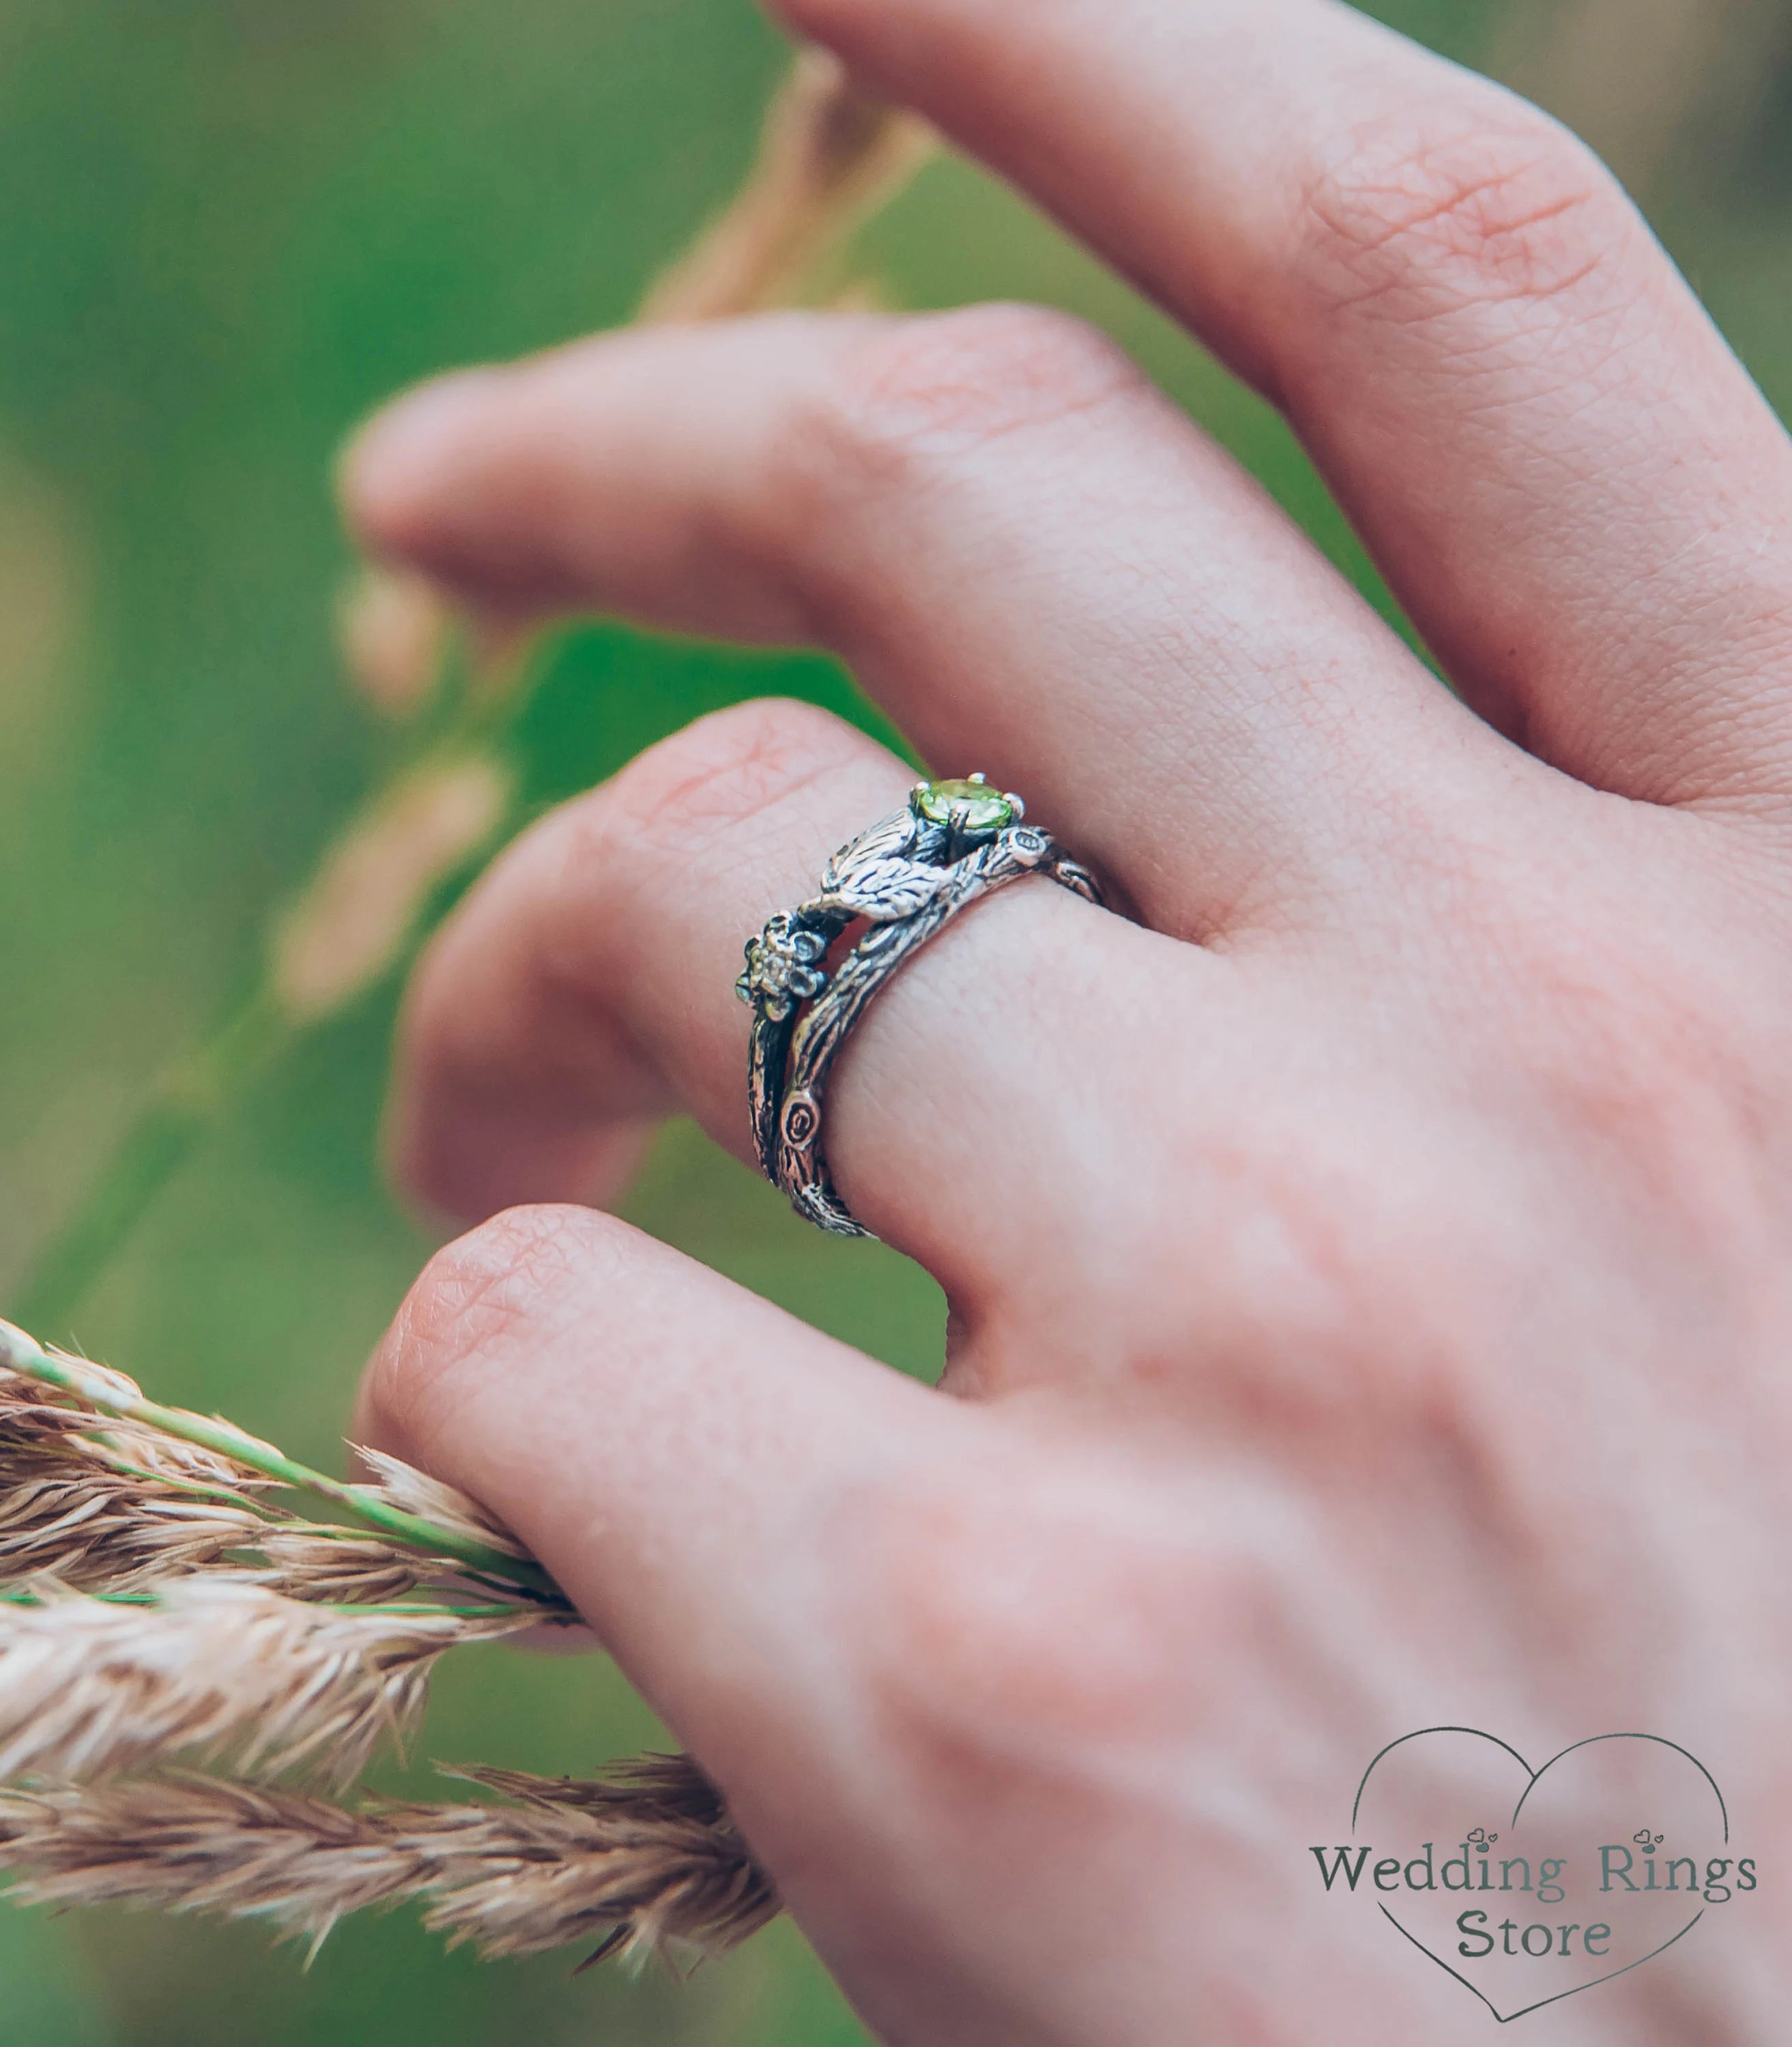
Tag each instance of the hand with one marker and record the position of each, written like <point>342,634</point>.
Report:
<point>1370,1297</point>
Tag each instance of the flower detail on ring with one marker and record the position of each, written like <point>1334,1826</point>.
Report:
<point>783,967</point>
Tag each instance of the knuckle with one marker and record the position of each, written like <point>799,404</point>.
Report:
<point>1418,214</point>
<point>919,391</point>
<point>1039,1620</point>
<point>1658,1054</point>
<point>703,783</point>
<point>1654,1064</point>
<point>471,1303</point>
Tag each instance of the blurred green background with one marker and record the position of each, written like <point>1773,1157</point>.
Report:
<point>228,228</point>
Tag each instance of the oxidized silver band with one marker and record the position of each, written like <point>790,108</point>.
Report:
<point>908,876</point>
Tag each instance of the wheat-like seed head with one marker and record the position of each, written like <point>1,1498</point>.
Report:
<point>35,1421</point>
<point>645,1860</point>
<point>236,1657</point>
<point>402,1485</point>
<point>217,1670</point>
<point>117,1512</point>
<point>828,154</point>
<point>105,1504</point>
<point>354,916</point>
<point>391,627</point>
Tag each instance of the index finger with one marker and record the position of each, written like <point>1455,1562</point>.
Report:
<point>679,1453</point>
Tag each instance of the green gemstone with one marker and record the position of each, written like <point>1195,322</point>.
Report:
<point>971,806</point>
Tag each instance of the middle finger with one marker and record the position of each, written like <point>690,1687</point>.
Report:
<point>1036,562</point>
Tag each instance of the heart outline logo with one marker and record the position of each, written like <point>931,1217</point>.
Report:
<point>1533,1778</point>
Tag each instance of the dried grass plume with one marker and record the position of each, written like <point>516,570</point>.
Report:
<point>214,1626</point>
<point>829,154</point>
<point>109,1500</point>
<point>219,1671</point>
<point>364,902</point>
<point>392,629</point>
<point>645,1861</point>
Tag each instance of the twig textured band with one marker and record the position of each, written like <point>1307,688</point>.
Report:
<point>908,876</point>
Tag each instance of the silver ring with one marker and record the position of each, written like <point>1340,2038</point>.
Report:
<point>908,876</point>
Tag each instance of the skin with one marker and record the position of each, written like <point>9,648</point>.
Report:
<point>1371,1302</point>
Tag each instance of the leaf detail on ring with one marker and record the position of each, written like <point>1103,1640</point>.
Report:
<point>886,891</point>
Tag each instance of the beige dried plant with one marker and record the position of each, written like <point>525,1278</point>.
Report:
<point>365,898</point>
<point>1640,79</point>
<point>218,1670</point>
<point>100,1500</point>
<point>158,1598</point>
<point>829,155</point>
<point>404,1487</point>
<point>212,1624</point>
<point>646,1860</point>
<point>393,629</point>
<point>96,1514</point>
<point>124,1509</point>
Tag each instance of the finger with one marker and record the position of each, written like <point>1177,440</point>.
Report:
<point>681,1455</point>
<point>864,1609</point>
<point>1571,483</point>
<point>1036,563</point>
<point>587,984</point>
<point>583,990</point>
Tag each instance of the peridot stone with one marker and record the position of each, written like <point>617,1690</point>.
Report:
<point>972,806</point>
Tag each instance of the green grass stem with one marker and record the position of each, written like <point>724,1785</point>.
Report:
<point>24,1354</point>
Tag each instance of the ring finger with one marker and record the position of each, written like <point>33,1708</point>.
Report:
<point>586,988</point>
